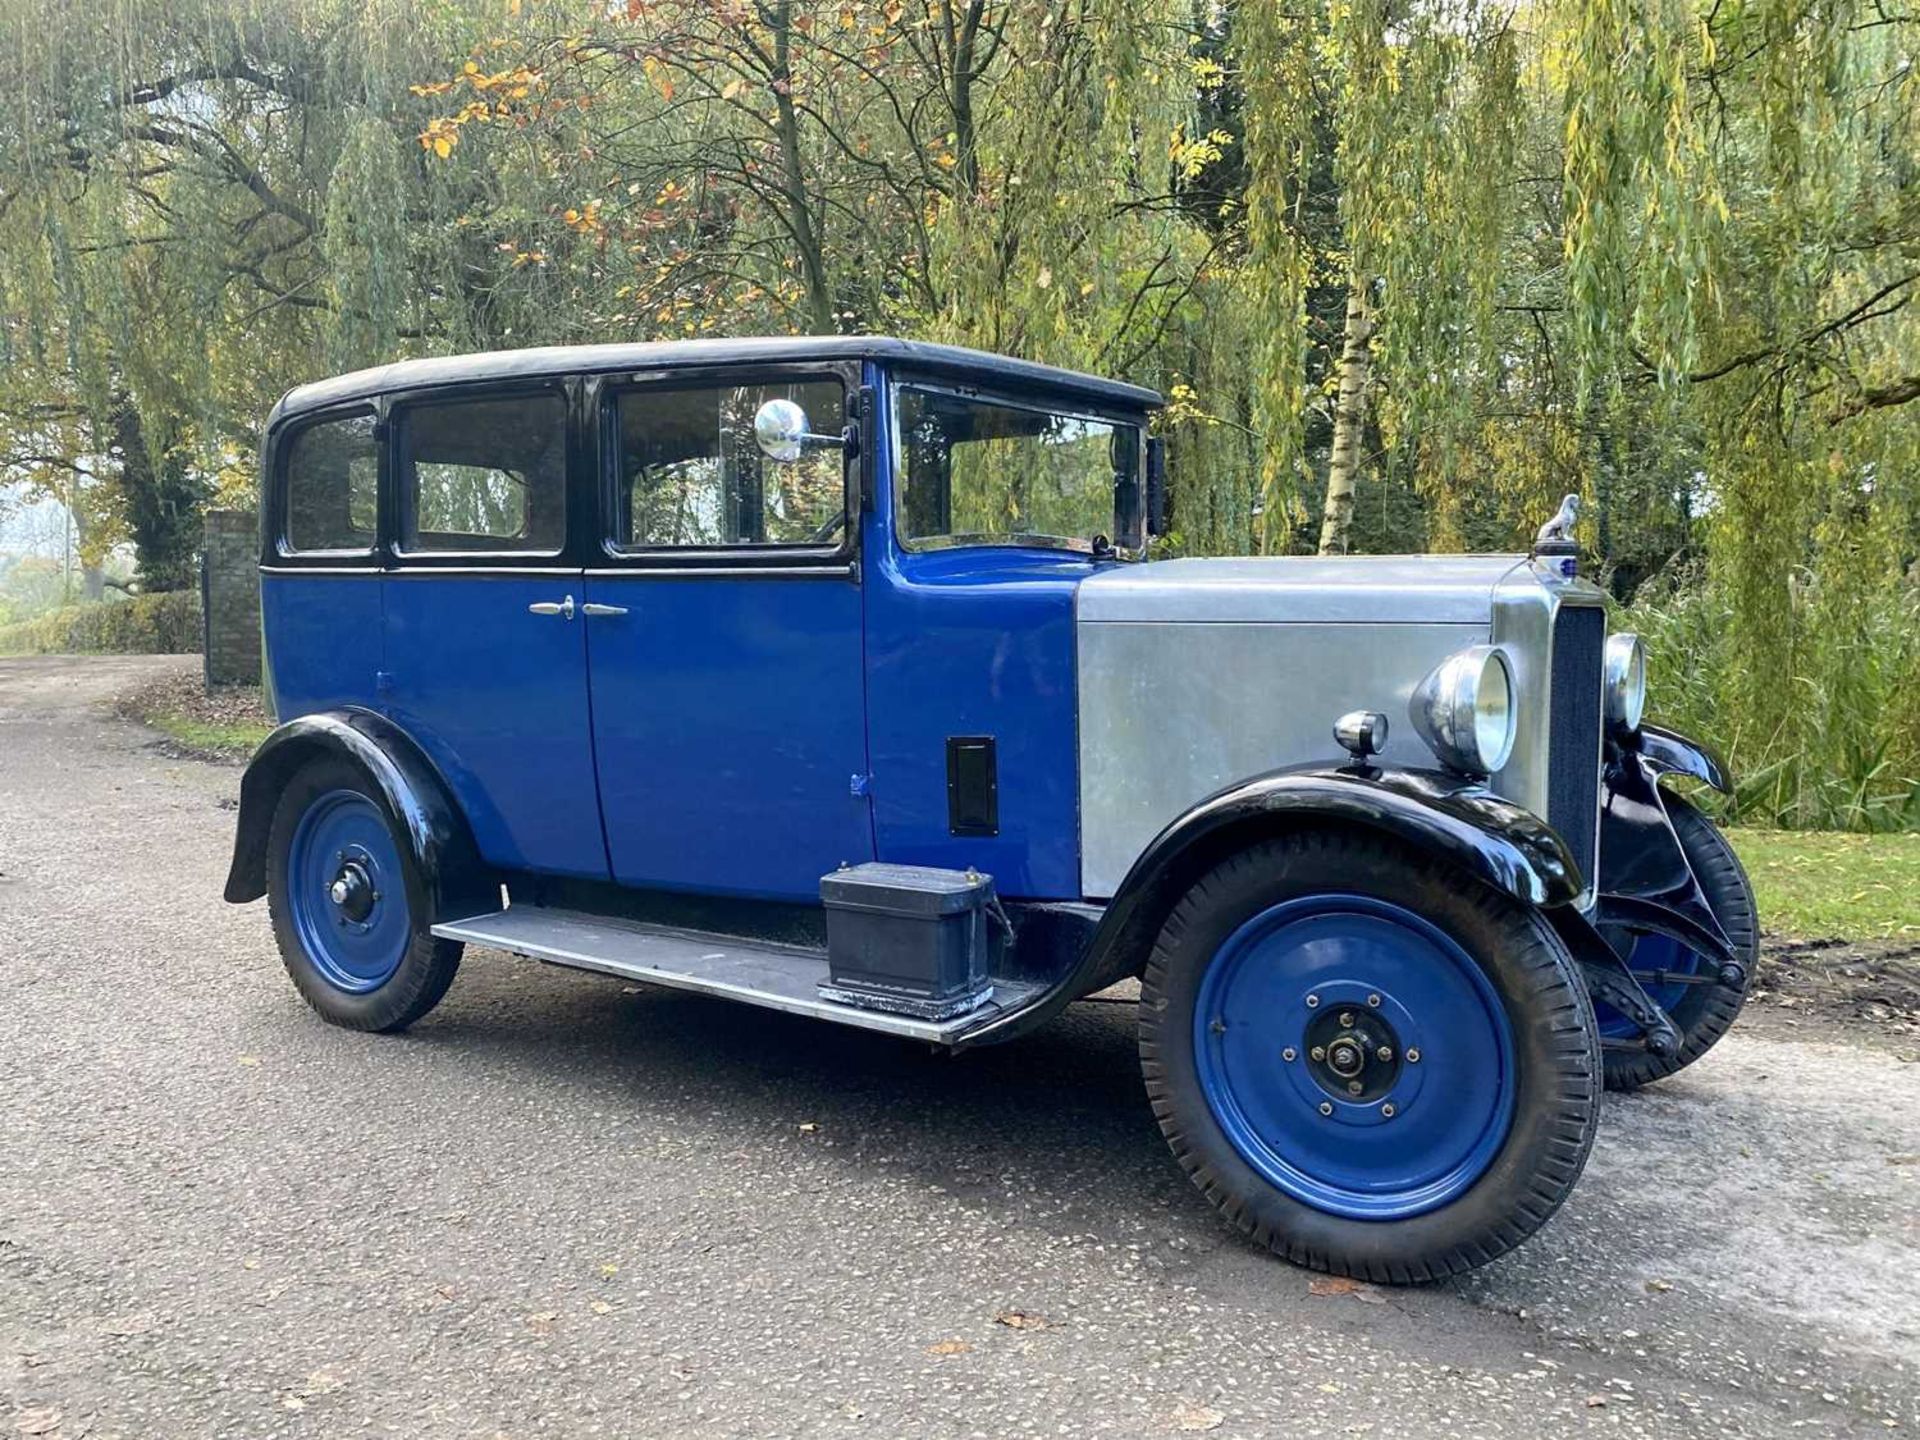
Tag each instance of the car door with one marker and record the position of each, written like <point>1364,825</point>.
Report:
<point>486,662</point>
<point>724,639</point>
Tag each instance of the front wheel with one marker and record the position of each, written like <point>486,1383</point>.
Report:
<point>1368,1062</point>
<point>338,892</point>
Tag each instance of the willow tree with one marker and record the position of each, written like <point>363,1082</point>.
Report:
<point>1743,214</point>
<point>1008,176</point>
<point>200,204</point>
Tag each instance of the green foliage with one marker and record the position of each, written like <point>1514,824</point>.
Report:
<point>232,740</point>
<point>167,623</point>
<point>1661,252</point>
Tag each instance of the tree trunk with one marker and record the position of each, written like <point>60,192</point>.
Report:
<point>965,141</point>
<point>1349,420</point>
<point>793,175</point>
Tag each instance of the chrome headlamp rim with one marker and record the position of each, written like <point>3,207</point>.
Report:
<point>1464,710</point>
<point>1626,681</point>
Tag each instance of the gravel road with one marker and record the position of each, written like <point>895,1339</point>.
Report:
<point>566,1206</point>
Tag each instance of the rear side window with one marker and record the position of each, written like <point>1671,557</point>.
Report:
<point>485,475</point>
<point>333,485</point>
<point>691,473</point>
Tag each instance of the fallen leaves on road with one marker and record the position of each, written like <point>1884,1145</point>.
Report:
<point>1194,1419</point>
<point>38,1422</point>
<point>249,1059</point>
<point>1596,1402</point>
<point>949,1347</point>
<point>1659,1287</point>
<point>1327,1286</point>
<point>601,1307</point>
<point>542,1323</point>
<point>807,1127</point>
<point>1022,1320</point>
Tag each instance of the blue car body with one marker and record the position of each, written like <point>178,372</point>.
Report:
<point>751,721</point>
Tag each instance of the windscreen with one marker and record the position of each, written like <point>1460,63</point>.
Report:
<point>982,472</point>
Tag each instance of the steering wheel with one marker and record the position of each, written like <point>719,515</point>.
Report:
<point>827,531</point>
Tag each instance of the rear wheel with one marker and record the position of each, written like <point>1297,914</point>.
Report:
<point>1368,1062</point>
<point>1684,982</point>
<point>338,891</point>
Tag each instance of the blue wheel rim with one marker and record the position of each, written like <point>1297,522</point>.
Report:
<point>1427,1127</point>
<point>354,946</point>
<point>1651,955</point>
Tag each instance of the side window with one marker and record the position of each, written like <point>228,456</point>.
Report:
<point>332,474</point>
<point>691,474</point>
<point>487,475</point>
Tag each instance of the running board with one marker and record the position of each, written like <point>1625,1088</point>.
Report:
<point>778,977</point>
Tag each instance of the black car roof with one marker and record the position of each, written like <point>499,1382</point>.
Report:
<point>951,361</point>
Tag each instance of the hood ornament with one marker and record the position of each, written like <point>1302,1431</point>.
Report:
<point>1555,543</point>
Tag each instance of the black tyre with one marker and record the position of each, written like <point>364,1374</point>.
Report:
<point>1681,981</point>
<point>337,890</point>
<point>1369,1062</point>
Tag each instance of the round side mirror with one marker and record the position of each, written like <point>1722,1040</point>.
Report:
<point>780,429</point>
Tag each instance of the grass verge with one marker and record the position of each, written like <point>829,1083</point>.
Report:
<point>1823,885</point>
<point>229,724</point>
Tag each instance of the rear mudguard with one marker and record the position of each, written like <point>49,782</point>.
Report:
<point>446,879</point>
<point>1451,817</point>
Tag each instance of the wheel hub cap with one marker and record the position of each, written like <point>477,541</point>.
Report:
<point>352,891</point>
<point>1353,1055</point>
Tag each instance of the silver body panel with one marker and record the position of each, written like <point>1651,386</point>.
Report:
<point>1291,590</point>
<point>1195,674</point>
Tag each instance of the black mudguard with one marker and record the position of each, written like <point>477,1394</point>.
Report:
<point>446,879</point>
<point>1449,816</point>
<point>1645,883</point>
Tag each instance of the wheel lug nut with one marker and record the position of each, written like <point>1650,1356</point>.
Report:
<point>1385,1052</point>
<point>1288,1054</point>
<point>1346,1018</point>
<point>1319,1052</point>
<point>1374,1001</point>
<point>1413,1057</point>
<point>1313,1002</point>
<point>1326,1107</point>
<point>1388,1110</point>
<point>1354,1087</point>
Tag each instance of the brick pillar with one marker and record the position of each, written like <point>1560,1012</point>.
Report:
<point>230,597</point>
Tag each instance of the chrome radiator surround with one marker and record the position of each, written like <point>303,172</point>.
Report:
<point>1526,618</point>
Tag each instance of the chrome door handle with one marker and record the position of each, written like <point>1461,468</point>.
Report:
<point>593,607</point>
<point>562,608</point>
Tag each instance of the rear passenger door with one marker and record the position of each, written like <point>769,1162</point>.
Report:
<point>486,662</point>
<point>725,639</point>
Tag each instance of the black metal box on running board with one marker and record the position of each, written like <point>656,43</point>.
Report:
<point>909,938</point>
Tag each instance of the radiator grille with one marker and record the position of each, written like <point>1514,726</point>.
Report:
<point>1573,744</point>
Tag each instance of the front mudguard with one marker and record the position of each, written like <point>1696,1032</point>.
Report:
<point>1645,882</point>
<point>1451,817</point>
<point>446,878</point>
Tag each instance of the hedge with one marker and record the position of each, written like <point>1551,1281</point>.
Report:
<point>163,624</point>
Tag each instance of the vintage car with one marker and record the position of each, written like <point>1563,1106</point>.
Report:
<point>828,675</point>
